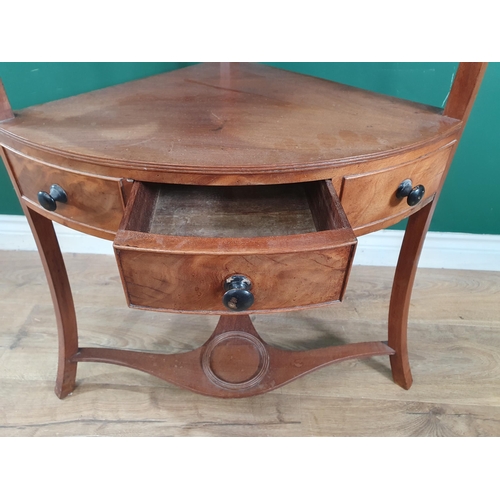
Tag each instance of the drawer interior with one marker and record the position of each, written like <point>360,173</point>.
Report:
<point>236,211</point>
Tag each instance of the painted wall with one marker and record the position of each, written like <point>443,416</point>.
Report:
<point>470,202</point>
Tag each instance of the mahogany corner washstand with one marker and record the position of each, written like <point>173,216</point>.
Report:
<point>232,189</point>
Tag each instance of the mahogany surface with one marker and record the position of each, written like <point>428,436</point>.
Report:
<point>369,199</point>
<point>5,109</point>
<point>92,200</point>
<point>210,119</point>
<point>231,125</point>
<point>234,362</point>
<point>185,273</point>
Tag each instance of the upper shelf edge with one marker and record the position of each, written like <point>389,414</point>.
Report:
<point>216,119</point>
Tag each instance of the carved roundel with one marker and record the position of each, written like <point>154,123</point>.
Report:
<point>235,360</point>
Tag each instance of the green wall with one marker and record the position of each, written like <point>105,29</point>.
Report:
<point>469,202</point>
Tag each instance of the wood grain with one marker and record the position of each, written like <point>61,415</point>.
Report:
<point>92,201</point>
<point>259,157</point>
<point>232,211</point>
<point>453,344</point>
<point>186,273</point>
<point>254,118</point>
<point>370,198</point>
<point>234,362</point>
<point>181,175</point>
<point>62,299</point>
<point>5,109</point>
<point>464,90</point>
<point>399,306</point>
<point>194,283</point>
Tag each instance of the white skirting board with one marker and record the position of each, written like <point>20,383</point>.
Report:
<point>441,250</point>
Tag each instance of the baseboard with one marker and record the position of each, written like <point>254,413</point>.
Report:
<point>441,250</point>
<point>15,234</point>
<point>479,252</point>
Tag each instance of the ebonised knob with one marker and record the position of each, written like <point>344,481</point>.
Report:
<point>404,189</point>
<point>48,200</point>
<point>238,296</point>
<point>416,194</point>
<point>413,194</point>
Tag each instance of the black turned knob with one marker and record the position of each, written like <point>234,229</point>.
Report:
<point>48,200</point>
<point>404,189</point>
<point>413,194</point>
<point>416,194</point>
<point>238,296</point>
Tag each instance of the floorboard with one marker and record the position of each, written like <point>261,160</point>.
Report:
<point>454,345</point>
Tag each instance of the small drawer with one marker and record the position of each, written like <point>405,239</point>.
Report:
<point>93,201</point>
<point>231,249</point>
<point>370,198</point>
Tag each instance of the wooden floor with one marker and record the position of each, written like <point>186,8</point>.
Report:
<point>454,352</point>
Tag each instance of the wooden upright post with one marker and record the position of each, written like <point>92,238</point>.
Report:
<point>460,101</point>
<point>5,109</point>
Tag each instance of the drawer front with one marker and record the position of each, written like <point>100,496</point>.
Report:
<point>369,199</point>
<point>165,264</point>
<point>192,283</point>
<point>93,201</point>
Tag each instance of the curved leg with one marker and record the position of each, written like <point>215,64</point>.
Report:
<point>55,271</point>
<point>404,277</point>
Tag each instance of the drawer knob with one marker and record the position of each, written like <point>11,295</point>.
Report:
<point>238,296</point>
<point>413,194</point>
<point>404,189</point>
<point>416,194</point>
<point>48,200</point>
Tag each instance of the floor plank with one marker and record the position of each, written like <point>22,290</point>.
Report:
<point>454,349</point>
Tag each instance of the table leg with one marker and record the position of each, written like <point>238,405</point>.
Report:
<point>60,290</point>
<point>404,277</point>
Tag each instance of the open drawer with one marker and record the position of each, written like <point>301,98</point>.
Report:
<point>234,249</point>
